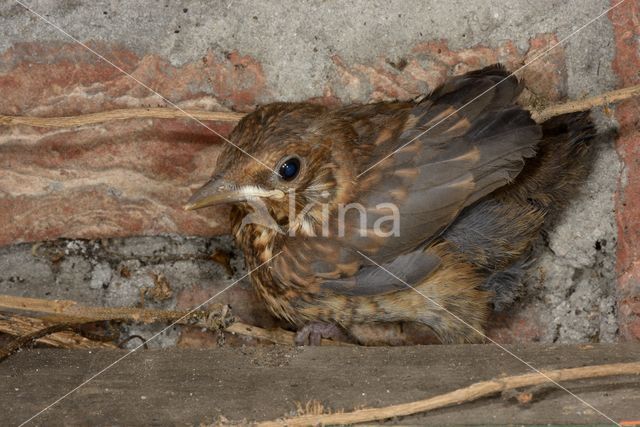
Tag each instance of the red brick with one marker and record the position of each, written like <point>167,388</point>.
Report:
<point>626,25</point>
<point>546,73</point>
<point>121,178</point>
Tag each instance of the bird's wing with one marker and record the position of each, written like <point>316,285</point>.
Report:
<point>464,141</point>
<point>427,162</point>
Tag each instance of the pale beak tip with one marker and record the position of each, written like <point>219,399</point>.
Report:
<point>188,207</point>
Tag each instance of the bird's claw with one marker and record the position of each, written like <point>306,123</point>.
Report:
<point>312,333</point>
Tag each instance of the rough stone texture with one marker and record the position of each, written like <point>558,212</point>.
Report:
<point>130,178</point>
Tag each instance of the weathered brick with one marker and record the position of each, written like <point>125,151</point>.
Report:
<point>116,179</point>
<point>626,64</point>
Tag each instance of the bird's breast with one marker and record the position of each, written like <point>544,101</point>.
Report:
<point>258,244</point>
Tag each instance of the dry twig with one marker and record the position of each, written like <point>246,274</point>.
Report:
<point>462,395</point>
<point>122,114</point>
<point>587,103</point>
<point>25,340</point>
<point>222,116</point>
<point>66,311</point>
<point>20,325</point>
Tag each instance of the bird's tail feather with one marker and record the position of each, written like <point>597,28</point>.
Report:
<point>550,179</point>
<point>498,231</point>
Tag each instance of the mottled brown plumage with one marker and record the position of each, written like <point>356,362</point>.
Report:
<point>470,196</point>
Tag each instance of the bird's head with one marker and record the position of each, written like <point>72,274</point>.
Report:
<point>287,161</point>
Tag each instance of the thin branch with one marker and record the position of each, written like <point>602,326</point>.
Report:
<point>222,116</point>
<point>70,308</point>
<point>122,114</point>
<point>66,311</point>
<point>587,103</point>
<point>462,395</point>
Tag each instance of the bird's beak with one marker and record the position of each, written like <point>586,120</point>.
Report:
<point>218,191</point>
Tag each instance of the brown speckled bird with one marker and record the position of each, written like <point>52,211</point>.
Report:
<point>452,213</point>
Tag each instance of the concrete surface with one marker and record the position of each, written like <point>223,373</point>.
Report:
<point>132,178</point>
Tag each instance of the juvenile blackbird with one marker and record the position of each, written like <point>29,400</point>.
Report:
<point>449,218</point>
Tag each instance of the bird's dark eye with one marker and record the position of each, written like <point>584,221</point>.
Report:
<point>289,169</point>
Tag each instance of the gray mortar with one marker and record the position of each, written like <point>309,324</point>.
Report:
<point>89,271</point>
<point>572,287</point>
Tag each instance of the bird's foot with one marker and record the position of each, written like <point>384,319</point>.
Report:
<point>312,333</point>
